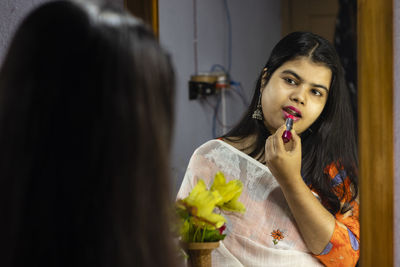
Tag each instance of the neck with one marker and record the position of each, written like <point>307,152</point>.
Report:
<point>246,145</point>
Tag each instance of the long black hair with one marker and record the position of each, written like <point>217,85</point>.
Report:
<point>86,111</point>
<point>330,139</point>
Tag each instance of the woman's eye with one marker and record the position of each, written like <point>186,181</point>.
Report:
<point>316,92</point>
<point>290,81</point>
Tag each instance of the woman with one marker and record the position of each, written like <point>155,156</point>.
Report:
<point>301,196</point>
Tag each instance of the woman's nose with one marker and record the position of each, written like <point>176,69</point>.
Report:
<point>298,96</point>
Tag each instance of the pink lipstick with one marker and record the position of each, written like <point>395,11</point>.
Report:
<point>287,135</point>
<point>292,112</point>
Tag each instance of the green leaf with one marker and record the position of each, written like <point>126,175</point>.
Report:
<point>212,236</point>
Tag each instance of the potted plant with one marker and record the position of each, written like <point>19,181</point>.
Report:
<point>201,227</point>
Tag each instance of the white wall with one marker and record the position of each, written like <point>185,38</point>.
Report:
<point>256,27</point>
<point>11,14</point>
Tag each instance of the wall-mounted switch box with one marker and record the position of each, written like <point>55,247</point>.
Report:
<point>206,84</point>
<point>200,89</point>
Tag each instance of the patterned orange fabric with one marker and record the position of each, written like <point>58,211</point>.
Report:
<point>344,247</point>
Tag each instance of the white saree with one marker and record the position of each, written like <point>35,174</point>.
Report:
<point>249,240</point>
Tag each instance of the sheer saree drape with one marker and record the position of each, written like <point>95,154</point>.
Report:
<point>266,234</point>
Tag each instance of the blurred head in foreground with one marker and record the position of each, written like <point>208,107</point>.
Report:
<point>85,126</point>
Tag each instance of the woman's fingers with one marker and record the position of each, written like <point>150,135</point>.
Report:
<point>278,141</point>
<point>274,144</point>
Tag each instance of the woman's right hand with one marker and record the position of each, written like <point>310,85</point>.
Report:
<point>283,160</point>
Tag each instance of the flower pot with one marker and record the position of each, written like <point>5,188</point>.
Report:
<point>200,253</point>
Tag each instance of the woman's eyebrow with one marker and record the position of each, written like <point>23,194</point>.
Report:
<point>292,73</point>
<point>301,80</point>
<point>320,86</point>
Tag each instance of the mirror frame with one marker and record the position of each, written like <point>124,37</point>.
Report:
<point>376,131</point>
<point>146,10</point>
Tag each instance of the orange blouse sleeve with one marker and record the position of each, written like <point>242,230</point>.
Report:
<point>344,247</point>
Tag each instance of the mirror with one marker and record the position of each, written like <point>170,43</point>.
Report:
<point>375,87</point>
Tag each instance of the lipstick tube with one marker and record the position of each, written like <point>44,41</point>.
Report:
<point>287,135</point>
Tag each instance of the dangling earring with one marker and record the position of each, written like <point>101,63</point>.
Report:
<point>257,114</point>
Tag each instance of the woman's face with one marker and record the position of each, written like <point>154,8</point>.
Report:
<point>300,88</point>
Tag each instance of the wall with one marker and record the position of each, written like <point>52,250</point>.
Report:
<point>396,117</point>
<point>11,13</point>
<point>256,27</point>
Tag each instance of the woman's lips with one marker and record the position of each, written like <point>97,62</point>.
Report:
<point>288,115</point>
<point>291,112</point>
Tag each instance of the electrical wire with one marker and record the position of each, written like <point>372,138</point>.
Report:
<point>235,86</point>
<point>228,17</point>
<point>213,108</point>
<point>218,66</point>
<point>242,98</point>
<point>238,89</point>
<point>214,121</point>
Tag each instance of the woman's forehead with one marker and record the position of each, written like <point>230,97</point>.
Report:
<point>307,70</point>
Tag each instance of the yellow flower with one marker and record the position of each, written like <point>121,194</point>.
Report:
<point>201,204</point>
<point>230,193</point>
